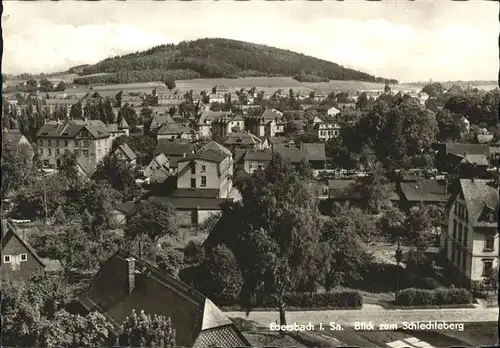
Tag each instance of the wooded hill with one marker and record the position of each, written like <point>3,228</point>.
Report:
<point>215,58</point>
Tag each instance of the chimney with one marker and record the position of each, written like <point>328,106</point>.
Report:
<point>131,274</point>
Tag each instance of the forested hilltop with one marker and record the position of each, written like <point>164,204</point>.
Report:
<point>215,58</point>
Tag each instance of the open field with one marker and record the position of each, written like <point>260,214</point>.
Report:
<point>473,335</point>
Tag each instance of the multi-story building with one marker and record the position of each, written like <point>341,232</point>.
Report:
<point>471,242</point>
<point>89,139</point>
<point>168,97</point>
<point>207,118</point>
<point>218,94</point>
<point>227,124</point>
<point>327,130</point>
<point>117,130</point>
<point>208,170</point>
<point>270,124</point>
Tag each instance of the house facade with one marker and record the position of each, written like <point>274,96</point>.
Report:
<point>327,130</point>
<point>19,259</point>
<point>471,243</point>
<point>89,139</point>
<point>208,170</point>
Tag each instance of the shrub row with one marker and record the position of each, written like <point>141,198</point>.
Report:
<point>334,299</point>
<point>438,297</point>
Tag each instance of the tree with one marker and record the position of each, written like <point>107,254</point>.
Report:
<point>119,174</point>
<point>276,229</point>
<point>118,98</point>
<point>222,281</point>
<point>391,223</point>
<point>374,190</point>
<point>76,112</point>
<point>34,315</point>
<point>45,85</point>
<point>129,114</point>
<point>61,86</point>
<point>108,114</point>
<point>142,330</point>
<point>170,260</point>
<point>307,138</point>
<point>491,278</point>
<point>387,88</point>
<point>170,83</point>
<point>68,166</point>
<point>434,90</point>
<point>451,126</point>
<point>155,218</point>
<point>194,253</point>
<point>142,145</point>
<point>16,164</point>
<point>418,228</point>
<point>363,102</point>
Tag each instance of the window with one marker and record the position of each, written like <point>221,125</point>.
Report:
<point>489,244</point>
<point>85,143</point>
<point>49,152</point>
<point>203,168</point>
<point>487,265</point>
<point>77,143</point>
<point>193,183</point>
<point>86,153</point>
<point>260,167</point>
<point>58,152</point>
<point>6,259</point>
<point>57,142</point>
<point>193,168</point>
<point>41,142</point>
<point>46,163</point>
<point>460,232</point>
<point>453,252</point>
<point>49,142</point>
<point>66,143</point>
<point>466,236</point>
<point>454,229</point>
<point>455,210</point>
<point>466,216</point>
<point>24,257</point>
<point>464,259</point>
<point>203,181</point>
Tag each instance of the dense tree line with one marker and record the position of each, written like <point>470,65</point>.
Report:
<point>137,76</point>
<point>218,58</point>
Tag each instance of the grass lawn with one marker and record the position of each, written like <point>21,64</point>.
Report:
<point>185,236</point>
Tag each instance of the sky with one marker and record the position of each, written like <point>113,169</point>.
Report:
<point>408,41</point>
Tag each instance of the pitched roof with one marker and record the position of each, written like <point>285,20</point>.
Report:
<point>342,189</point>
<point>215,146</point>
<point>424,190</point>
<point>290,152</point>
<point>160,119</point>
<point>192,193</point>
<point>261,156</point>
<point>314,151</point>
<point>481,199</point>
<point>159,175</point>
<point>207,155</point>
<point>278,140</point>
<point>13,136</point>
<point>128,208</point>
<point>461,149</point>
<point>123,124</point>
<point>194,317</point>
<point>270,114</point>
<point>480,160</point>
<point>159,160</point>
<point>173,128</point>
<point>9,231</point>
<point>86,165</point>
<point>127,151</point>
<point>173,148</point>
<point>244,138</point>
<point>210,116</point>
<point>70,129</point>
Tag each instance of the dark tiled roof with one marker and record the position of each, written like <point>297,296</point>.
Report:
<point>480,160</point>
<point>191,193</point>
<point>244,138</point>
<point>291,153</point>
<point>470,149</point>
<point>70,129</point>
<point>208,155</point>
<point>197,203</point>
<point>278,140</point>
<point>173,128</point>
<point>214,146</point>
<point>9,231</point>
<point>269,115</point>
<point>424,190</point>
<point>342,189</point>
<point>481,199</point>
<point>210,116</point>
<point>315,152</point>
<point>123,124</point>
<point>158,293</point>
<point>173,148</point>
<point>128,208</point>
<point>127,151</point>
<point>86,166</point>
<point>258,155</point>
<point>239,155</point>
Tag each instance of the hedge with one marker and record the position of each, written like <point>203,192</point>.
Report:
<point>333,299</point>
<point>438,297</point>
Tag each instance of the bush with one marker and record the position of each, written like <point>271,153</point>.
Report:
<point>334,299</point>
<point>439,297</point>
